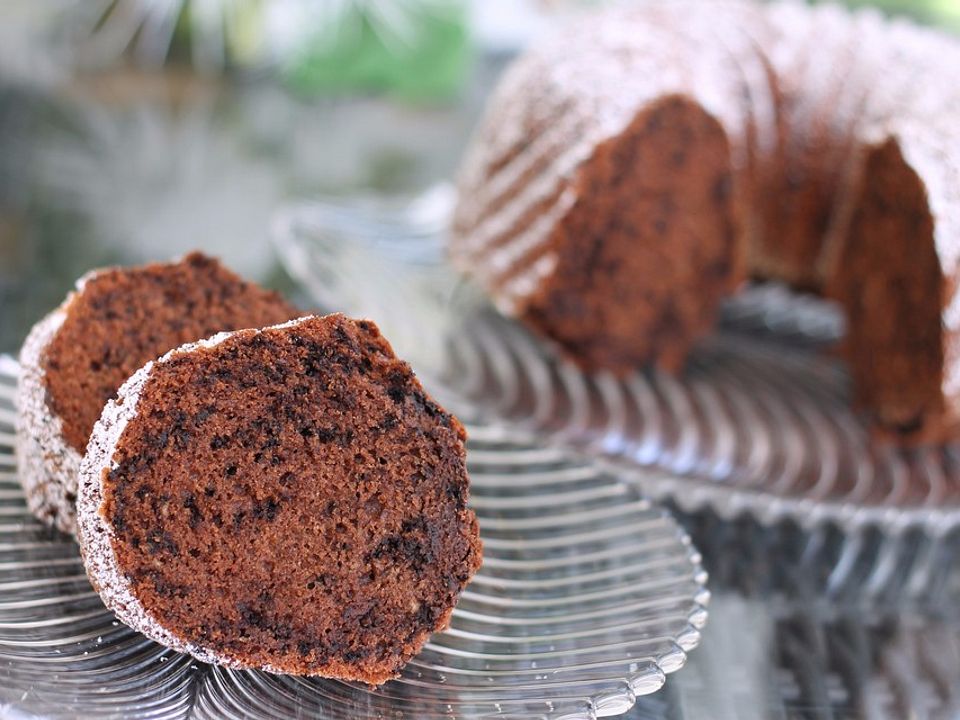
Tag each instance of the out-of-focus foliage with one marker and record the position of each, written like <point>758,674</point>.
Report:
<point>944,13</point>
<point>413,50</point>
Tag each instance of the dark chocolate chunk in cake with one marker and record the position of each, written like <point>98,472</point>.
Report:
<point>288,499</point>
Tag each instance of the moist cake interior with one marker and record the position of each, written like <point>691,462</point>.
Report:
<point>889,281</point>
<point>294,499</point>
<point>645,253</point>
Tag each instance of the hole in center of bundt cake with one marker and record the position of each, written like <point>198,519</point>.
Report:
<point>293,494</point>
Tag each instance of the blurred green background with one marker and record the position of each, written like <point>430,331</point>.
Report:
<point>943,13</point>
<point>138,129</point>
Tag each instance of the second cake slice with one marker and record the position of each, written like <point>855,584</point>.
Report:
<point>74,360</point>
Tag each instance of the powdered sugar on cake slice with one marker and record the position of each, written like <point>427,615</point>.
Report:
<point>48,465</point>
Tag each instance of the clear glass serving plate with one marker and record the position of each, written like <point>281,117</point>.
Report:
<point>760,422</point>
<point>588,597</point>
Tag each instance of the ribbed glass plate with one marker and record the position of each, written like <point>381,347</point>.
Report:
<point>588,596</point>
<point>760,422</point>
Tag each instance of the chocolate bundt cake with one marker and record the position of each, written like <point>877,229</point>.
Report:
<point>74,360</point>
<point>287,499</point>
<point>637,167</point>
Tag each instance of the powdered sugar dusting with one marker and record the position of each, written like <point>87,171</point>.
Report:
<point>48,465</point>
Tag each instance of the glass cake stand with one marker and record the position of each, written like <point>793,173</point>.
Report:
<point>759,423</point>
<point>588,597</point>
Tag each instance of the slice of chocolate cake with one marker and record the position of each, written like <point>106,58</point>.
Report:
<point>117,319</point>
<point>287,499</point>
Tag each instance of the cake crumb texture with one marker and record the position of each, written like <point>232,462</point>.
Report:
<point>288,499</point>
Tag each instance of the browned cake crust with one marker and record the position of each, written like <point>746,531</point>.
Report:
<point>575,217</point>
<point>116,320</point>
<point>287,499</point>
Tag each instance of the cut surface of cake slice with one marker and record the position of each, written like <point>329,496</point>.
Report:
<point>288,499</point>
